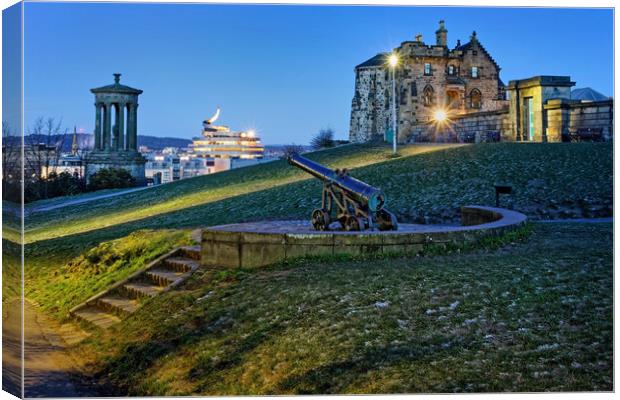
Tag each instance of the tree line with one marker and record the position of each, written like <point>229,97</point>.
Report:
<point>38,158</point>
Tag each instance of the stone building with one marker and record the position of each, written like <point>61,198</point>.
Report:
<point>542,109</point>
<point>116,130</point>
<point>428,78</point>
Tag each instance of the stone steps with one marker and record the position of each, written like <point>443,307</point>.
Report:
<point>96,316</point>
<point>181,264</point>
<point>138,290</point>
<point>119,305</point>
<point>125,298</point>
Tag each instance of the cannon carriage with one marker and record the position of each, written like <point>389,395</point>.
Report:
<point>354,204</point>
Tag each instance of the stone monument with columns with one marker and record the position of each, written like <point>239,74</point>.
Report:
<point>116,130</point>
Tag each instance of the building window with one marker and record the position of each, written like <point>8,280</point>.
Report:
<point>414,89</point>
<point>475,99</point>
<point>403,96</point>
<point>429,96</point>
<point>453,99</point>
<point>450,69</point>
<point>427,68</point>
<point>474,72</point>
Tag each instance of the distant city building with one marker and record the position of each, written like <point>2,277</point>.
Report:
<point>221,142</point>
<point>169,165</point>
<point>219,149</point>
<point>71,163</point>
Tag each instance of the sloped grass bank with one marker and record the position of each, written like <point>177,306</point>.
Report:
<point>534,316</point>
<point>59,289</point>
<point>201,192</point>
<point>426,184</point>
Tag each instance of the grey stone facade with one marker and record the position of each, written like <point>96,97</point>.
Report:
<point>116,131</point>
<point>460,80</point>
<point>555,116</point>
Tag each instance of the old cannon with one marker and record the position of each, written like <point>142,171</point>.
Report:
<point>358,206</point>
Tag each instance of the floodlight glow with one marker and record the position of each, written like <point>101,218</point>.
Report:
<point>393,60</point>
<point>440,115</point>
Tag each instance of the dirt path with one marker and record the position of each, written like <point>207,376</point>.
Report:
<point>48,370</point>
<point>71,202</point>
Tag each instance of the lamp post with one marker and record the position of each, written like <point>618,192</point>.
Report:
<point>393,60</point>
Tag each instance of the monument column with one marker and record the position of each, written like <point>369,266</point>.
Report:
<point>114,127</point>
<point>129,126</point>
<point>97,126</point>
<point>134,110</point>
<point>107,126</point>
<point>120,123</point>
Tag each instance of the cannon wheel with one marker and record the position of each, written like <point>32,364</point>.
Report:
<point>320,219</point>
<point>386,221</point>
<point>353,223</point>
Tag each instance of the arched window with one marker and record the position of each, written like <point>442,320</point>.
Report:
<point>429,96</point>
<point>475,98</point>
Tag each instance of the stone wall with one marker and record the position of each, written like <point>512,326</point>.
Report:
<point>370,111</point>
<point>559,118</point>
<point>469,128</point>
<point>482,126</point>
<point>566,117</point>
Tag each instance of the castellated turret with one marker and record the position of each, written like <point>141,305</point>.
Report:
<point>442,34</point>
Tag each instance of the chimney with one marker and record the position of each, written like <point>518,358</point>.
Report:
<point>442,34</point>
<point>418,37</point>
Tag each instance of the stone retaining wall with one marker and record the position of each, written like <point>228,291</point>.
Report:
<point>254,245</point>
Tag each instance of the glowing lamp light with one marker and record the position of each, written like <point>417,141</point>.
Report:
<point>251,133</point>
<point>440,115</point>
<point>393,60</point>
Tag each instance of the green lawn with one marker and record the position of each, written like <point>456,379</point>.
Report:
<point>533,316</point>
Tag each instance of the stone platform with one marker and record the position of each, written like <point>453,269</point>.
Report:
<point>257,244</point>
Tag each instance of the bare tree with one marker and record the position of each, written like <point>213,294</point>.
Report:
<point>42,150</point>
<point>11,166</point>
<point>10,154</point>
<point>292,148</point>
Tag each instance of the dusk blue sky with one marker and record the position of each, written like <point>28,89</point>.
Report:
<point>286,71</point>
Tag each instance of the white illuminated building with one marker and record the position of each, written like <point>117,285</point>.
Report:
<point>221,142</point>
<point>219,149</point>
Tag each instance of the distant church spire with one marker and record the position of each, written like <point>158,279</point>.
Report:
<point>74,145</point>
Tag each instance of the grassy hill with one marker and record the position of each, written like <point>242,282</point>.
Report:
<point>534,316</point>
<point>427,181</point>
<point>519,318</point>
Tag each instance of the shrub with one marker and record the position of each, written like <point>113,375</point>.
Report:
<point>111,178</point>
<point>323,139</point>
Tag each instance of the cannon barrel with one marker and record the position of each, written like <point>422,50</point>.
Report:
<point>360,191</point>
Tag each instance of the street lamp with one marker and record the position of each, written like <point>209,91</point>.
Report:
<point>393,61</point>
